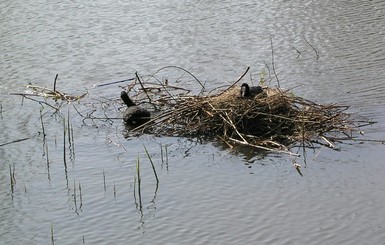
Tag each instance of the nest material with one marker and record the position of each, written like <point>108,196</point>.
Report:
<point>273,120</point>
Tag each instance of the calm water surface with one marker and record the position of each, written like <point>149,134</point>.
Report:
<point>328,51</point>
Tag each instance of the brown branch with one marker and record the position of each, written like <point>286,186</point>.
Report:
<point>239,79</point>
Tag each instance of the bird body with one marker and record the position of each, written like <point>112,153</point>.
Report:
<point>248,92</point>
<point>133,115</point>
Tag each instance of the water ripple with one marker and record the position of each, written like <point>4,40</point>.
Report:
<point>330,51</point>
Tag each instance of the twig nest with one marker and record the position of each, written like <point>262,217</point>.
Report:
<point>251,116</point>
<point>272,120</point>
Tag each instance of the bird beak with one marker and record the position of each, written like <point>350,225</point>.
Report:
<point>243,91</point>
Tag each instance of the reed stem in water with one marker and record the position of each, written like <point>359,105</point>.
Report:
<point>104,182</point>
<point>80,196</point>
<point>139,182</point>
<point>52,238</point>
<point>152,164</point>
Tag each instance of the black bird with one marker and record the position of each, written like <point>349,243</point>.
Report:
<point>133,115</point>
<point>247,91</point>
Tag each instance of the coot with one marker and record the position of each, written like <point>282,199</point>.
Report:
<point>247,91</point>
<point>133,115</point>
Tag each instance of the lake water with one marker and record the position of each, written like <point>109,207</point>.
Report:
<point>327,51</point>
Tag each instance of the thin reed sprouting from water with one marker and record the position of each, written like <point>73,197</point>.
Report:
<point>104,182</point>
<point>69,128</point>
<point>136,203</point>
<point>52,238</point>
<point>75,203</point>
<point>64,143</point>
<point>139,182</point>
<point>165,148</point>
<point>64,150</point>
<point>152,164</point>
<point>12,178</point>
<point>47,158</point>
<point>1,111</point>
<point>44,143</point>
<point>13,174</point>
<point>42,124</point>
<point>80,196</point>
<point>72,143</point>
<point>70,134</point>
<point>161,153</point>
<point>114,190</point>
<point>302,131</point>
<point>84,241</point>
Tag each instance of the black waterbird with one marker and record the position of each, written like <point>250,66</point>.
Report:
<point>133,115</point>
<point>248,92</point>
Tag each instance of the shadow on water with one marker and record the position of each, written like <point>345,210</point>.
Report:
<point>248,153</point>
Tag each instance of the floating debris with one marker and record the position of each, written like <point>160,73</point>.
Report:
<point>44,92</point>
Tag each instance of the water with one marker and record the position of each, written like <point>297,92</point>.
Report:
<point>329,51</point>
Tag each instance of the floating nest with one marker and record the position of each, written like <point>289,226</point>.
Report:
<point>274,120</point>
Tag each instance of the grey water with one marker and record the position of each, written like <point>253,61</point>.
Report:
<point>326,51</point>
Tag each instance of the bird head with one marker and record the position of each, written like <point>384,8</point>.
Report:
<point>126,99</point>
<point>245,90</point>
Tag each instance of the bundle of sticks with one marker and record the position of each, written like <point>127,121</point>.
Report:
<point>274,120</point>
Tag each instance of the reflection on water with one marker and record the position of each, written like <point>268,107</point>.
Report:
<point>330,51</point>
